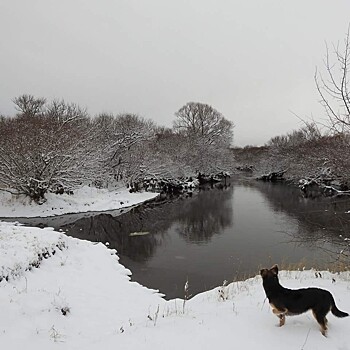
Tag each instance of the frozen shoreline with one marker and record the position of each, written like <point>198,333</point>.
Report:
<point>85,199</point>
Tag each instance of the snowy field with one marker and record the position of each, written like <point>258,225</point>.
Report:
<point>85,199</point>
<point>59,292</point>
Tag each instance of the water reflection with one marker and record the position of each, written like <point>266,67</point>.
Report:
<point>319,220</point>
<point>137,233</point>
<point>206,216</point>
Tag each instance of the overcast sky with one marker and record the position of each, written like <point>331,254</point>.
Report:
<point>252,60</point>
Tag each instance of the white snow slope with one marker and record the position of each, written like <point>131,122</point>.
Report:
<point>105,310</point>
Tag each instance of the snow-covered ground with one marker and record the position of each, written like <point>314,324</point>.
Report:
<point>80,297</point>
<point>85,199</point>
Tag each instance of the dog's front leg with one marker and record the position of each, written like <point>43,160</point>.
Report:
<point>281,314</point>
<point>282,318</point>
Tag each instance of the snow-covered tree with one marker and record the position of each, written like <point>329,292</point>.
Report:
<point>125,141</point>
<point>168,156</point>
<point>42,151</point>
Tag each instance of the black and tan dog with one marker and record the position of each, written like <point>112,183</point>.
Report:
<point>286,302</point>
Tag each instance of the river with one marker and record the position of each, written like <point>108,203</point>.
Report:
<point>218,234</point>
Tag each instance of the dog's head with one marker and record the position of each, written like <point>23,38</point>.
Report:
<point>267,274</point>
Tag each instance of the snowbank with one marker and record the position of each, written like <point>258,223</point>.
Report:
<point>82,298</point>
<point>24,248</point>
<point>85,199</point>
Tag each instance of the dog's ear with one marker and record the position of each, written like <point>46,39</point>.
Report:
<point>263,272</point>
<point>274,269</point>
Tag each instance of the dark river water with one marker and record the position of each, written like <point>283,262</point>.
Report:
<point>217,234</point>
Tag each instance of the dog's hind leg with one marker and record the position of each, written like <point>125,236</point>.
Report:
<point>322,321</point>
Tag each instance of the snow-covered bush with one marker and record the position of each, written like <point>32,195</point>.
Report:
<point>45,148</point>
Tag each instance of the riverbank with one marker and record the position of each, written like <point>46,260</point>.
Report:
<point>84,199</point>
<point>80,297</point>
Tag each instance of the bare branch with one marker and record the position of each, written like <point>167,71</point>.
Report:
<point>334,92</point>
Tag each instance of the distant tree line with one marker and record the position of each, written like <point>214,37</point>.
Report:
<point>316,149</point>
<point>306,153</point>
<point>57,146</point>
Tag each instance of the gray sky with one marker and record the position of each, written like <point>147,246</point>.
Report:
<point>252,60</point>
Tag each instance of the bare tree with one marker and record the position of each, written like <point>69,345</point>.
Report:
<point>28,105</point>
<point>64,112</point>
<point>333,87</point>
<point>207,135</point>
<point>199,120</point>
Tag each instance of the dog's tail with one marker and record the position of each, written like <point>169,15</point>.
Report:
<point>336,311</point>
